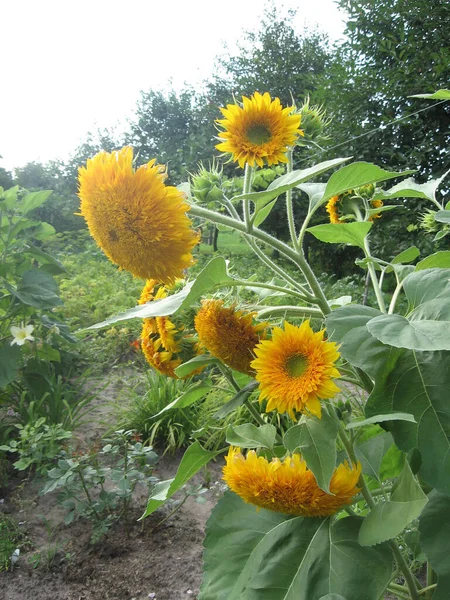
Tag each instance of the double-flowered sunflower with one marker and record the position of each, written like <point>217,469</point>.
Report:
<point>295,369</point>
<point>337,207</point>
<point>260,131</point>
<point>288,486</point>
<point>229,334</point>
<point>138,221</point>
<point>165,344</point>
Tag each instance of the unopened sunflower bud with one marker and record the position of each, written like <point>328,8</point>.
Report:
<point>428,221</point>
<point>313,120</point>
<point>207,185</point>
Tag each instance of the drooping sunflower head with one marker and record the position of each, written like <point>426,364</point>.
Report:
<point>295,369</point>
<point>375,204</point>
<point>260,131</point>
<point>228,334</point>
<point>352,204</point>
<point>138,221</point>
<point>164,341</point>
<point>332,209</point>
<point>288,486</point>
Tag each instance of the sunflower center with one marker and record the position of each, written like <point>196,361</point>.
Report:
<point>296,365</point>
<point>258,134</point>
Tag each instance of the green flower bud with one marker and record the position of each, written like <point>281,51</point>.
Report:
<point>428,222</point>
<point>313,122</point>
<point>207,185</point>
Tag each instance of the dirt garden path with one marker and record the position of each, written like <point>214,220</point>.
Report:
<point>160,564</point>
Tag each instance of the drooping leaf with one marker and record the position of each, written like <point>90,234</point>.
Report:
<point>408,188</point>
<point>193,460</point>
<point>212,276</point>
<point>414,385</point>
<point>381,419</point>
<point>190,396</point>
<point>348,326</point>
<point>395,330</point>
<point>262,555</point>
<point>9,363</point>
<point>316,440</point>
<point>195,363</point>
<point>406,256</point>
<point>251,436</point>
<point>356,175</point>
<point>315,192</point>
<point>33,200</point>
<point>439,95</point>
<point>439,260</point>
<point>371,452</point>
<point>388,519</point>
<point>434,527</point>
<point>352,234</point>
<point>37,288</point>
<point>237,400</point>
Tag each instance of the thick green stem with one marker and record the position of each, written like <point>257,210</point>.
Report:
<point>229,375</point>
<point>395,296</point>
<point>431,582</point>
<point>409,578</point>
<point>428,591</point>
<point>374,278</point>
<point>246,203</point>
<point>290,207</point>
<point>265,237</point>
<point>400,591</point>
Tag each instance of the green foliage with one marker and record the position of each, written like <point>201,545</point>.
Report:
<point>12,539</point>
<point>294,545</point>
<point>81,480</point>
<point>38,445</point>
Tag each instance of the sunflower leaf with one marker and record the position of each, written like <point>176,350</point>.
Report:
<point>352,234</point>
<point>251,436</point>
<point>440,260</point>
<point>388,519</point>
<point>316,440</point>
<point>243,555</point>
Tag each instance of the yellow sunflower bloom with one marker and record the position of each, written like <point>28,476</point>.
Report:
<point>261,131</point>
<point>295,369</point>
<point>227,334</point>
<point>376,204</point>
<point>288,486</point>
<point>331,209</point>
<point>138,221</point>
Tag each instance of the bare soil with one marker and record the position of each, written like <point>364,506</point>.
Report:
<point>159,562</point>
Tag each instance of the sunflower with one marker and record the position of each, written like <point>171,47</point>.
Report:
<point>228,334</point>
<point>331,209</point>
<point>259,131</point>
<point>138,221</point>
<point>376,204</point>
<point>288,486</point>
<point>296,368</point>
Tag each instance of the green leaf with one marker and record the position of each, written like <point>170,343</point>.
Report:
<point>415,385</point>
<point>347,325</point>
<point>371,452</point>
<point>428,284</point>
<point>388,519</point>
<point>37,288</point>
<point>9,363</point>
<point>287,182</point>
<point>382,419</point>
<point>33,200</point>
<point>46,258</point>
<point>442,216</point>
<point>395,330</point>
<point>263,213</point>
<point>262,555</point>
<point>43,231</point>
<point>406,256</point>
<point>236,401</point>
<point>356,175</point>
<point>316,439</point>
<point>193,460</point>
<point>434,527</point>
<point>352,234</point>
<point>439,95</point>
<point>195,363</point>
<point>48,353</point>
<point>251,436</point>
<point>315,192</point>
<point>439,260</point>
<point>192,395</point>
<point>332,597</point>
<point>410,189</point>
<point>214,275</point>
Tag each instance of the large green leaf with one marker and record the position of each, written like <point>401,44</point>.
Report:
<point>251,436</point>
<point>315,192</point>
<point>212,276</point>
<point>33,200</point>
<point>262,555</point>
<point>395,330</point>
<point>442,216</point>
<point>195,363</point>
<point>352,234</point>
<point>388,519</point>
<point>9,363</point>
<point>406,256</point>
<point>434,527</point>
<point>37,288</point>
<point>347,325</point>
<point>288,181</point>
<point>418,384</point>
<point>439,95</point>
<point>316,440</point>
<point>356,175</point>
<point>193,460</point>
<point>192,395</point>
<point>439,260</point>
<point>371,452</point>
<point>427,284</point>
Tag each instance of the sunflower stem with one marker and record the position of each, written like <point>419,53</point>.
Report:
<point>246,202</point>
<point>267,286</point>
<point>373,277</point>
<point>229,375</point>
<point>290,206</point>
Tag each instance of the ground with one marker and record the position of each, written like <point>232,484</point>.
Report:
<point>160,562</point>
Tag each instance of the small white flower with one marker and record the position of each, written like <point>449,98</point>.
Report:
<point>22,334</point>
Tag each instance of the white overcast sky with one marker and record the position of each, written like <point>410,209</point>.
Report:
<point>70,66</point>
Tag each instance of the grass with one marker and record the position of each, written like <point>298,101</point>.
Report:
<point>11,539</point>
